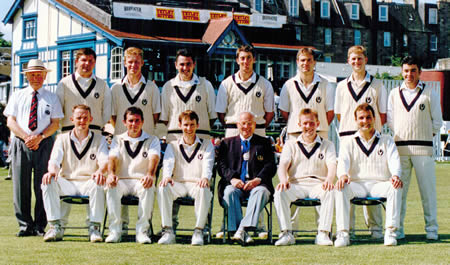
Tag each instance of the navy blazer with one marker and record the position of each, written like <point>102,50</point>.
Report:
<point>261,163</point>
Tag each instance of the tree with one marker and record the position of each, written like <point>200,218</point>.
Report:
<point>3,42</point>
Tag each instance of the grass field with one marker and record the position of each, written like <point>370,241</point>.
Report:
<point>77,250</point>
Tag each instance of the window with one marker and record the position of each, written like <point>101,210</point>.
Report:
<point>298,33</point>
<point>259,6</point>
<point>324,9</point>
<point>116,63</point>
<point>29,31</point>
<point>327,36</point>
<point>383,13</point>
<point>357,37</point>
<point>353,11</point>
<point>433,43</point>
<point>405,40</point>
<point>327,59</point>
<point>387,39</point>
<point>432,16</point>
<point>293,8</point>
<point>65,63</point>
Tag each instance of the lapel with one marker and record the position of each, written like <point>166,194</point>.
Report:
<point>86,93</point>
<point>407,106</point>
<point>84,151</point>
<point>134,153</point>
<point>127,94</point>
<point>363,148</point>
<point>242,88</point>
<point>304,97</point>
<point>358,96</point>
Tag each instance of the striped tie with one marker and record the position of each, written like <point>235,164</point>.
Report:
<point>32,122</point>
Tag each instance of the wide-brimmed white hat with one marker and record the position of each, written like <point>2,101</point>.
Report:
<point>35,65</point>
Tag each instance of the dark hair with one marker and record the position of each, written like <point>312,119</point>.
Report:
<point>85,51</point>
<point>365,107</point>
<point>185,53</point>
<point>188,114</point>
<point>411,60</point>
<point>245,48</point>
<point>133,111</point>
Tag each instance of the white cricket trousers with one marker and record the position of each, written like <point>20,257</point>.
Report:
<point>425,169</point>
<point>145,207</point>
<point>58,210</point>
<point>305,189</point>
<point>372,188</point>
<point>169,193</point>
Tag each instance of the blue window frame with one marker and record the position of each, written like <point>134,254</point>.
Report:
<point>357,37</point>
<point>29,26</point>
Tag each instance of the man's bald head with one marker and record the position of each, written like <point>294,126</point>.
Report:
<point>246,124</point>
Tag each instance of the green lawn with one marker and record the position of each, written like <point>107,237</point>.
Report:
<point>76,250</point>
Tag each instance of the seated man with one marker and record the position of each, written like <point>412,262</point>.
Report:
<point>246,165</point>
<point>307,170</point>
<point>77,163</point>
<point>369,164</point>
<point>133,160</point>
<point>187,169</point>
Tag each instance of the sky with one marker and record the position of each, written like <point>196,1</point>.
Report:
<point>6,4</point>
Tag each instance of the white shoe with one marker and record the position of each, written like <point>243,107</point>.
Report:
<point>376,234</point>
<point>263,235</point>
<point>167,238</point>
<point>432,236</point>
<point>322,239</point>
<point>390,238</point>
<point>220,235</point>
<point>242,237</point>
<point>113,237</point>
<point>342,239</point>
<point>286,239</point>
<point>55,233</point>
<point>94,232</point>
<point>197,238</point>
<point>142,238</point>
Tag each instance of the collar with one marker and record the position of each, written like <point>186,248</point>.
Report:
<point>73,138</point>
<point>125,80</point>
<point>376,134</point>
<point>366,78</point>
<point>317,140</point>
<point>78,76</point>
<point>194,81</point>
<point>242,138</point>
<point>252,79</point>
<point>143,136</point>
<point>181,141</point>
<point>40,90</point>
<point>315,80</point>
<point>419,86</point>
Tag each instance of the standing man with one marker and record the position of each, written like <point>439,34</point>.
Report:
<point>246,165</point>
<point>33,116</point>
<point>188,165</point>
<point>307,170</point>
<point>360,87</point>
<point>369,165</point>
<point>76,167</point>
<point>133,160</point>
<point>245,91</point>
<point>415,116</point>
<point>187,91</point>
<point>307,90</point>
<point>83,87</point>
<point>135,90</point>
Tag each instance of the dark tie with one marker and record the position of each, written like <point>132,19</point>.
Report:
<point>32,122</point>
<point>245,148</point>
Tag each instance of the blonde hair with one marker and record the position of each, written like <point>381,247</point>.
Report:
<point>358,49</point>
<point>308,111</point>
<point>134,51</point>
<point>308,51</point>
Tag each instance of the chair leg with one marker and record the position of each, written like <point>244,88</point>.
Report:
<point>269,229</point>
<point>225,225</point>
<point>104,222</point>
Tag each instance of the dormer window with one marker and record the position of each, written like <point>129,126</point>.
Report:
<point>383,13</point>
<point>293,8</point>
<point>259,5</point>
<point>432,16</point>
<point>29,26</point>
<point>324,9</point>
<point>353,11</point>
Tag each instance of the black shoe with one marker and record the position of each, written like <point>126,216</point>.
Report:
<point>40,232</point>
<point>8,178</point>
<point>27,232</point>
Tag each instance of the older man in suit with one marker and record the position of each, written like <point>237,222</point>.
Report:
<point>246,165</point>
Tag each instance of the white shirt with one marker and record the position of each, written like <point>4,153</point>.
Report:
<point>188,84</point>
<point>222,96</point>
<point>382,97</point>
<point>208,157</point>
<point>410,94</point>
<point>330,155</point>
<point>284,99</point>
<point>48,108</point>
<point>58,150</point>
<point>154,148</point>
<point>345,157</point>
<point>134,89</point>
